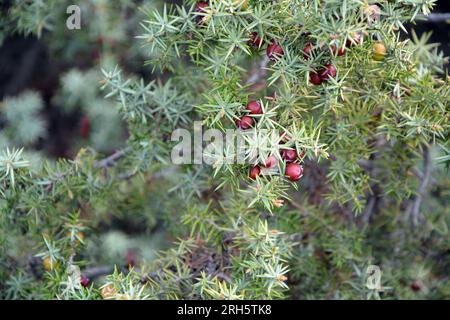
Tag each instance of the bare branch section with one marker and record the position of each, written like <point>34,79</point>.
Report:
<point>413,209</point>
<point>112,159</point>
<point>259,73</point>
<point>373,199</point>
<point>435,17</point>
<point>97,272</point>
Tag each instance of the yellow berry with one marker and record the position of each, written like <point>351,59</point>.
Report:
<point>379,51</point>
<point>108,291</point>
<point>50,264</point>
<point>79,236</point>
<point>243,4</point>
<point>282,278</point>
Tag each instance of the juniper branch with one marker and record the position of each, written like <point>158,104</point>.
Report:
<point>112,159</point>
<point>413,210</point>
<point>259,72</point>
<point>434,17</point>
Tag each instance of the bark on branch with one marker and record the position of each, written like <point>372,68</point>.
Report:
<point>413,209</point>
<point>434,17</point>
<point>111,160</point>
<point>260,72</point>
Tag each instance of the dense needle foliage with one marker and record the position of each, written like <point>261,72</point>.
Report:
<point>364,108</point>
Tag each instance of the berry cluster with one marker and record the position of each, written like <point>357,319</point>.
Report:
<point>323,74</point>
<point>294,171</point>
<point>274,51</point>
<point>247,121</point>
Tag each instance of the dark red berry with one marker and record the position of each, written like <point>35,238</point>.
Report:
<point>270,162</point>
<point>85,127</point>
<point>200,7</point>
<point>255,40</point>
<point>289,155</point>
<point>294,171</point>
<point>84,281</point>
<point>254,107</point>
<point>245,122</point>
<point>314,78</point>
<point>337,52</point>
<point>307,50</point>
<point>274,51</point>
<point>416,286</point>
<point>328,72</point>
<point>254,172</point>
<point>131,258</point>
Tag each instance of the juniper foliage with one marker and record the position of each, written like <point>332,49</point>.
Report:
<point>371,138</point>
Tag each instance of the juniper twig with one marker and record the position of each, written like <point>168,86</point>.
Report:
<point>413,209</point>
<point>111,160</point>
